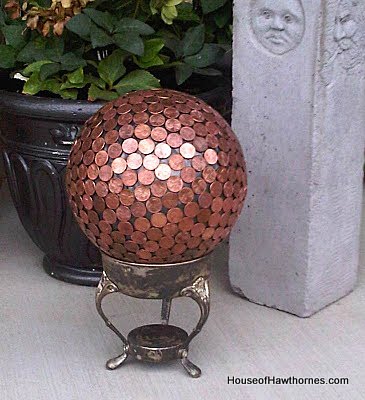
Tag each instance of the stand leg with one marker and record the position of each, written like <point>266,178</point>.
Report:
<point>105,287</point>
<point>165,311</point>
<point>190,368</point>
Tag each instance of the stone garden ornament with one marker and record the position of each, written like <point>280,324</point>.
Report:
<point>156,180</point>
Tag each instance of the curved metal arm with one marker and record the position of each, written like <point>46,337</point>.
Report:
<point>198,291</point>
<point>105,287</point>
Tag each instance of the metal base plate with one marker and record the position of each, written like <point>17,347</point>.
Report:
<point>157,343</point>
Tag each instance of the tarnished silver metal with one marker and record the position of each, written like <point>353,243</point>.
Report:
<point>157,342</point>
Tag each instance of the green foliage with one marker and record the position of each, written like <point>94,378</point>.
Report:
<point>111,48</point>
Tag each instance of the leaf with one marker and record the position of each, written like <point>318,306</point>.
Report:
<point>101,18</point>
<point>207,71</point>
<point>42,48</point>
<point>150,56</point>
<point>96,81</point>
<point>131,25</point>
<point>212,5</point>
<point>182,73</point>
<point>209,54</point>
<point>193,40</point>
<point>48,70</point>
<point>76,76</point>
<point>111,68</point>
<point>137,80</point>
<point>14,36</point>
<point>224,15</point>
<point>81,25</point>
<point>130,42</point>
<point>33,85</point>
<point>99,38</point>
<point>7,56</point>
<point>71,61</point>
<point>98,94</point>
<point>35,67</point>
<point>185,12</point>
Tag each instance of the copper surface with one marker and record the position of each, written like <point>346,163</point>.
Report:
<point>156,176</point>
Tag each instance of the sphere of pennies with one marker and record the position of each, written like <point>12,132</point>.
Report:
<point>156,176</point>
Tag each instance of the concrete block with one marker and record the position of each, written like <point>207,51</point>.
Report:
<point>299,112</point>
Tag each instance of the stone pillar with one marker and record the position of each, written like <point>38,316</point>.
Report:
<point>299,112</point>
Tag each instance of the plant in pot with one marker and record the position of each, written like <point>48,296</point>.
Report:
<point>60,60</point>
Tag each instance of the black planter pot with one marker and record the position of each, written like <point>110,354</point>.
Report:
<point>37,134</point>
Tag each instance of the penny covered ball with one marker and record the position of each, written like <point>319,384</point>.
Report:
<point>156,176</point>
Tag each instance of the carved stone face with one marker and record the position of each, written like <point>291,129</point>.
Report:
<point>345,25</point>
<point>278,24</point>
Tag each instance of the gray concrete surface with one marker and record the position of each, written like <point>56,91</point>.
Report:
<point>299,100</point>
<point>53,345</point>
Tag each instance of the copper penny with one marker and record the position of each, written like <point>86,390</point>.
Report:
<point>159,188</point>
<point>197,116</point>
<point>107,107</point>
<point>211,156</point>
<point>173,125</point>
<point>157,120</point>
<point>126,197</point>
<point>104,226</point>
<point>89,157</point>
<point>217,204</point>
<point>115,185</point>
<point>194,242</point>
<point>124,108</point>
<point>118,238</point>
<point>200,144</point>
<point>123,213</point>
<point>198,163</point>
<point>89,187</point>
<point>158,220</point>
<point>209,174</point>
<point>186,119</point>
<point>125,119</point>
<point>146,146</point>
<point>222,174</point>
<point>171,112</point>
<point>187,150</point>
<point>188,174</point>
<point>145,176</point>
<point>142,131</point>
<point>227,204</point>
<point>186,224</point>
<point>228,189</point>
<point>208,233</point>
<point>80,187</point>
<point>111,137</point>
<point>154,234</point>
<point>166,242</point>
<point>212,141</point>
<point>214,220</point>
<point>204,215</point>
<point>87,202</point>
<point>199,185</point>
<point>82,171</point>
<point>156,108</point>
<point>114,150</point>
<point>159,134</point>
<point>130,145</point>
<point>105,173</point>
<point>151,245</point>
<point>134,161</point>
<point>177,162</point>
<point>223,159</point>
<point>201,129</point>
<point>139,237</point>
<point>179,248</point>
<point>110,124</point>
<point>140,118</point>
<point>144,254</point>
<point>126,228</point>
<point>86,144</point>
<point>138,209</point>
<point>216,189</point>
<point>163,172</point>
<point>119,165</point>
<point>212,128</point>
<point>139,107</point>
<point>170,200</point>
<point>154,205</point>
<point>129,177</point>
<point>142,193</point>
<point>101,158</point>
<point>135,99</point>
<point>187,133</point>
<point>99,204</point>
<point>163,150</point>
<point>94,229</point>
<point>182,237</point>
<point>175,215</point>
<point>186,195</point>
<point>183,108</point>
<point>109,216</point>
<point>126,131</point>
<point>191,209</point>
<point>142,224</point>
<point>112,201</point>
<point>101,189</point>
<point>197,230</point>
<point>151,162</point>
<point>131,247</point>
<point>98,144</point>
<point>170,229</point>
<point>174,140</point>
<point>205,200</point>
<point>175,183</point>
<point>96,132</point>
